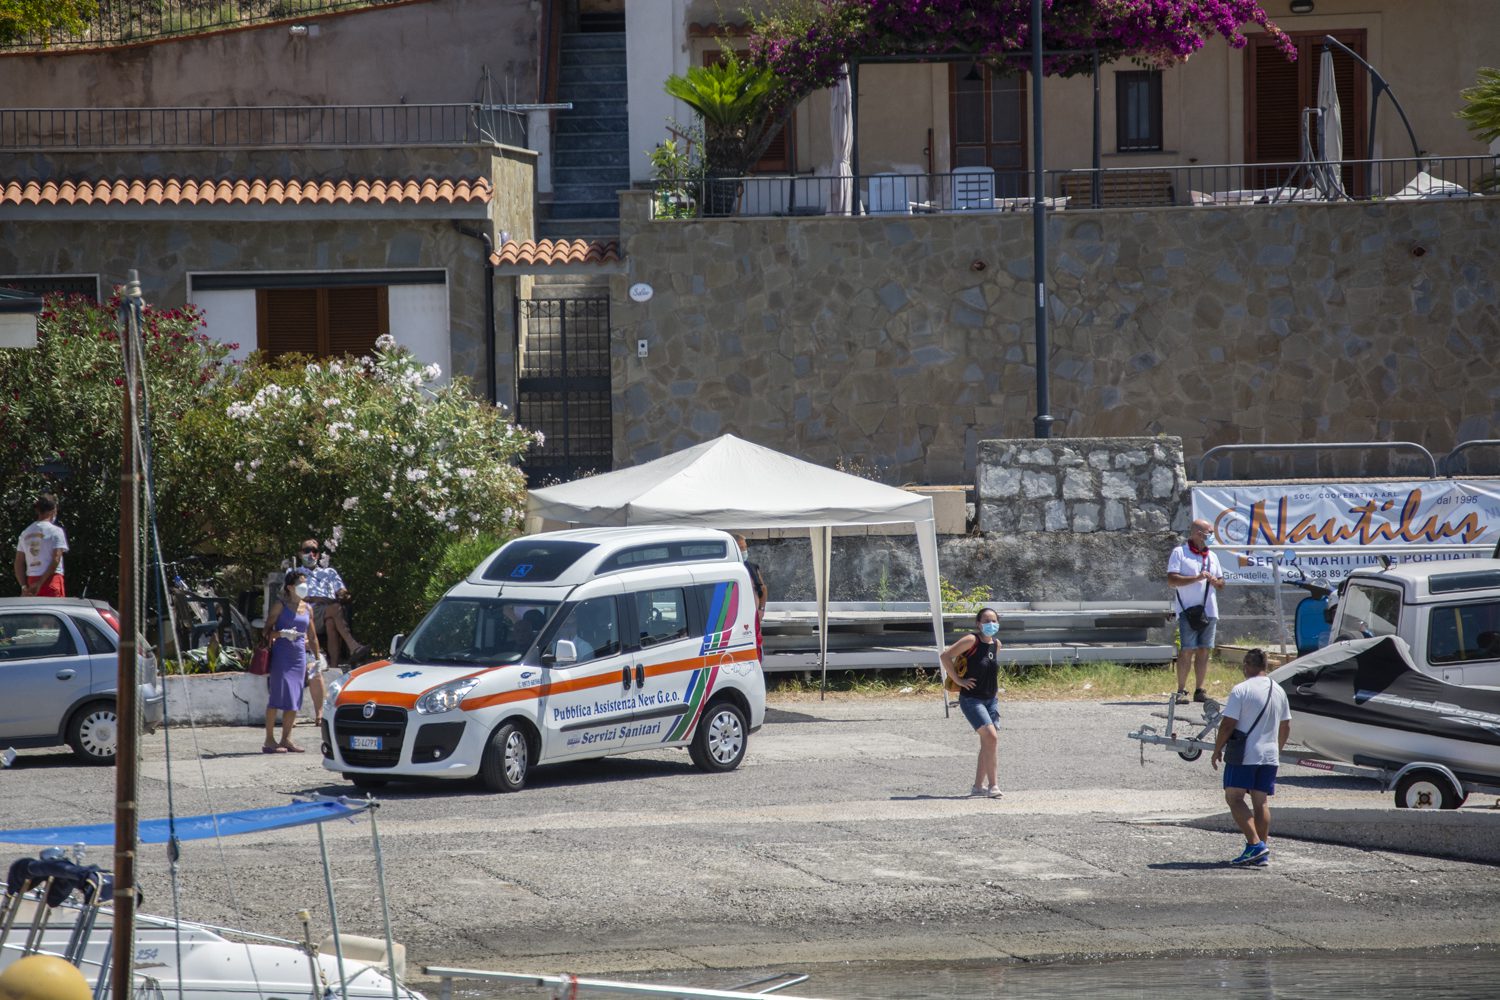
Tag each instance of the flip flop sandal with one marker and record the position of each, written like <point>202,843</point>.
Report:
<point>273,749</point>
<point>291,748</point>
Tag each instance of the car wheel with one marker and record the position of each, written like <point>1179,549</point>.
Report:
<point>721,739</point>
<point>368,782</point>
<point>94,732</point>
<point>507,760</point>
<point>1425,789</point>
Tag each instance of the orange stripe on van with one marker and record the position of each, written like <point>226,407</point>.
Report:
<point>387,699</point>
<point>604,679</point>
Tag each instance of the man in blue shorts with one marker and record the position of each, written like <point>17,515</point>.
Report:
<point>1260,700</point>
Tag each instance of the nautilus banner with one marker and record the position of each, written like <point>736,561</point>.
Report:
<point>1321,531</point>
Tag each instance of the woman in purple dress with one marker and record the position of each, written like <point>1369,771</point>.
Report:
<point>293,644</point>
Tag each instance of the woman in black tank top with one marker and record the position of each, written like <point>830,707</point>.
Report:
<point>979,694</point>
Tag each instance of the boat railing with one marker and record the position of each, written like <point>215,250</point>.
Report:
<point>574,985</point>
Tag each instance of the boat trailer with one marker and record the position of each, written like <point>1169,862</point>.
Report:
<point>1189,748</point>
<point>1419,784</point>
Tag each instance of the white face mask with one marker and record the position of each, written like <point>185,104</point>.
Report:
<point>300,590</point>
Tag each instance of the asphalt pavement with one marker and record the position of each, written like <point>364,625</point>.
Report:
<point>846,835</point>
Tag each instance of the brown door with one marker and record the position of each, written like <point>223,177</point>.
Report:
<point>987,120</point>
<point>1277,91</point>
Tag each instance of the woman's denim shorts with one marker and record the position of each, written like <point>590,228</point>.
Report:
<point>980,713</point>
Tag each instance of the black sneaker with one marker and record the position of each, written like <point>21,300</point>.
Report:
<point>1198,695</point>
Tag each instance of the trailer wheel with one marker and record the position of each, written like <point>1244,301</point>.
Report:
<point>1426,789</point>
<point>1190,755</point>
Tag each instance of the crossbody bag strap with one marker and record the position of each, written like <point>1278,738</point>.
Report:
<point>1269,695</point>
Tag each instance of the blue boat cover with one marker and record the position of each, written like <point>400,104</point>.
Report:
<point>229,824</point>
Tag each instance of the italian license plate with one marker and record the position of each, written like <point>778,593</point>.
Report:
<point>364,743</point>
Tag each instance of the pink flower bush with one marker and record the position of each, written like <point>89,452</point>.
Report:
<point>805,43</point>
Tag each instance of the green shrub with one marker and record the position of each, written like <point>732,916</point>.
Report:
<point>458,560</point>
<point>60,408</point>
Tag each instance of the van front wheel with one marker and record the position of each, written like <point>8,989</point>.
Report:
<point>721,739</point>
<point>507,760</point>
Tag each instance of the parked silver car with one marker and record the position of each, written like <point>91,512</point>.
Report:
<point>58,671</point>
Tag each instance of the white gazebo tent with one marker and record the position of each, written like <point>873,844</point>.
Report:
<point>730,483</point>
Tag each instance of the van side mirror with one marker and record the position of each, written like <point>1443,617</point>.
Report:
<point>396,642</point>
<point>564,652</point>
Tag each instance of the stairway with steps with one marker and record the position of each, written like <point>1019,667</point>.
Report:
<point>590,142</point>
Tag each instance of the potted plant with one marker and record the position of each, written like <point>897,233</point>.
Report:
<point>737,105</point>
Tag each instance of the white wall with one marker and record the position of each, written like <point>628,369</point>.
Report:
<point>655,36</point>
<point>230,317</point>
<point>419,321</point>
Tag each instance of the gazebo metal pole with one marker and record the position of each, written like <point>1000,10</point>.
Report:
<point>1043,420</point>
<point>1378,86</point>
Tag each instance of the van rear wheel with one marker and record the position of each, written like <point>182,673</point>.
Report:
<point>721,740</point>
<point>507,760</point>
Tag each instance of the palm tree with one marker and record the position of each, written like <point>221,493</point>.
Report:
<point>736,102</point>
<point>1481,111</point>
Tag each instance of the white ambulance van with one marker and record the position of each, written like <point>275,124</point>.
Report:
<point>563,646</point>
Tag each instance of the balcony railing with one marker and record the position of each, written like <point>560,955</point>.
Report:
<point>322,125</point>
<point>982,190</point>
<point>119,22</point>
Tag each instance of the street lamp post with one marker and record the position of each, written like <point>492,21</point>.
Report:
<point>1043,420</point>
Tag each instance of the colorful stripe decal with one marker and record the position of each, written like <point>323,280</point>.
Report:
<point>606,678</point>
<point>723,609</point>
<point>697,699</point>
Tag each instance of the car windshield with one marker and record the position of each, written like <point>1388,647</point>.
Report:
<point>476,630</point>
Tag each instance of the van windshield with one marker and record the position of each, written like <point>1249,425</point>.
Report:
<point>476,630</point>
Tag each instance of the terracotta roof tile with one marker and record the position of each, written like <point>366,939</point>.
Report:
<point>550,252</point>
<point>244,191</point>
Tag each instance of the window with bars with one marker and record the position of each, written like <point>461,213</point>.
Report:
<point>322,322</point>
<point>1138,111</point>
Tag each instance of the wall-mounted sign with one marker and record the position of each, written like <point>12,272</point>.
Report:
<point>641,292</point>
<point>1326,529</point>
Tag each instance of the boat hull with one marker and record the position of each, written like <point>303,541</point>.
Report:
<point>1366,702</point>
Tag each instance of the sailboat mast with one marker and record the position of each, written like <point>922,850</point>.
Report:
<point>127,815</point>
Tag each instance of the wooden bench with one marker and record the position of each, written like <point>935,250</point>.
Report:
<point>1120,190</point>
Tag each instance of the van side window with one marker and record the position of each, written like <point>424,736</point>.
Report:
<point>660,553</point>
<point>721,606</point>
<point>662,615</point>
<point>1459,633</point>
<point>1369,612</point>
<point>594,629</point>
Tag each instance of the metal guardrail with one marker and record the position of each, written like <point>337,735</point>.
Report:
<point>278,126</point>
<point>1315,448</point>
<point>983,190</point>
<point>1447,466</point>
<point>121,22</point>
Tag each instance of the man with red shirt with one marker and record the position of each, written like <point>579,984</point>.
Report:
<point>39,553</point>
<point>1196,578</point>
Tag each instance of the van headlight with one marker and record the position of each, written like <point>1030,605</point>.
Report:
<point>334,687</point>
<point>445,697</point>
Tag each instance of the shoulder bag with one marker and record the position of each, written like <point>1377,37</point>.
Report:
<point>1234,750</point>
<point>260,661</point>
<point>1197,615</point>
<point>961,668</point>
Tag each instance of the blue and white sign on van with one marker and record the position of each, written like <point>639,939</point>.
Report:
<point>1327,529</point>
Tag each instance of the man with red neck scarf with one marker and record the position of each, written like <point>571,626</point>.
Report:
<point>1196,578</point>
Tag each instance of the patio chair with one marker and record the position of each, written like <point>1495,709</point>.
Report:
<point>888,195</point>
<point>974,189</point>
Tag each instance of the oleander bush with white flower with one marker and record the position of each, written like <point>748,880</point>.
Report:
<point>371,456</point>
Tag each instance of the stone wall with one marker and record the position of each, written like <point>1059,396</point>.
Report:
<point>900,342</point>
<point>1082,485</point>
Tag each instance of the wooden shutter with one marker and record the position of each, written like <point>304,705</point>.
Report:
<point>286,320</point>
<point>322,322</point>
<point>356,316</point>
<point>1277,90</point>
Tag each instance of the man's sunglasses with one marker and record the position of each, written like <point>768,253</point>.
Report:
<point>310,548</point>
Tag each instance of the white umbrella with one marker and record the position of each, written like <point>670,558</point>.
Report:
<point>841,129</point>
<point>1331,139</point>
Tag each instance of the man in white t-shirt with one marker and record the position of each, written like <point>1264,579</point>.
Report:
<point>39,553</point>
<point>1257,707</point>
<point>1196,578</point>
